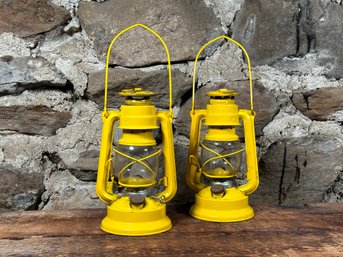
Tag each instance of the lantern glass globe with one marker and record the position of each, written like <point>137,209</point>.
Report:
<point>132,173</point>
<point>224,167</point>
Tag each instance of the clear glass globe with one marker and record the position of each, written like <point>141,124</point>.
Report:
<point>221,167</point>
<point>132,173</point>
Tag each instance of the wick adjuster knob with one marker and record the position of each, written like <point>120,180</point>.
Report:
<point>137,199</point>
<point>217,189</point>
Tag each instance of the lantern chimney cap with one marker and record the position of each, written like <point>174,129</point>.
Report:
<point>222,93</point>
<point>136,92</point>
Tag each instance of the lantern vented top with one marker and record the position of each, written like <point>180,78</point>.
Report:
<point>222,93</point>
<point>222,109</point>
<point>136,93</point>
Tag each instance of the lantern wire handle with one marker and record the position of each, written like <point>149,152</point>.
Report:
<point>248,61</point>
<point>168,59</point>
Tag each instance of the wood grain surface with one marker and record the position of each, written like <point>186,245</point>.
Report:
<point>315,230</point>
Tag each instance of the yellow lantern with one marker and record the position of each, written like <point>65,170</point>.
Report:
<point>129,178</point>
<point>215,176</point>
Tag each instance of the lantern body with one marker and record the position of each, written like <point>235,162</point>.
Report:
<point>219,197</point>
<point>216,174</point>
<point>129,177</point>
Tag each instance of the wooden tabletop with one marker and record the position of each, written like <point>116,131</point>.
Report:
<point>315,230</point>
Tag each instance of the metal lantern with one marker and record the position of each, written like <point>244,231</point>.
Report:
<point>215,176</point>
<point>130,179</point>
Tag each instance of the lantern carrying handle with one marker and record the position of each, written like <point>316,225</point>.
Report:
<point>248,61</point>
<point>168,59</point>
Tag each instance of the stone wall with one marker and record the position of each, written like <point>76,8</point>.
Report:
<point>51,90</point>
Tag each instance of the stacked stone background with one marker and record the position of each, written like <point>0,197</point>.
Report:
<point>51,90</point>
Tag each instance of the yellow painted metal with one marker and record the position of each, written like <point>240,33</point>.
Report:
<point>137,114</point>
<point>222,113</point>
<point>193,174</point>
<point>137,117</point>
<point>104,180</point>
<point>136,92</point>
<point>169,156</point>
<point>221,134</point>
<point>222,110</point>
<point>232,206</point>
<point>137,137</point>
<point>223,93</point>
<point>221,116</point>
<point>126,219</point>
<point>248,118</point>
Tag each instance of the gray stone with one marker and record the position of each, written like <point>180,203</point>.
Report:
<point>184,25</point>
<point>19,189</point>
<point>55,99</point>
<point>225,10</point>
<point>70,5</point>
<point>184,194</point>
<point>261,28</point>
<point>320,103</point>
<point>295,29</point>
<point>23,152</point>
<point>287,125</point>
<point>73,148</point>
<point>30,17</point>
<point>32,120</point>
<point>226,64</point>
<point>265,104</point>
<point>9,78</point>
<point>85,168</point>
<point>122,78</point>
<point>64,191</point>
<point>321,22</point>
<point>10,45</point>
<point>22,73</point>
<point>312,64</point>
<point>335,192</point>
<point>73,56</point>
<point>79,139</point>
<point>296,171</point>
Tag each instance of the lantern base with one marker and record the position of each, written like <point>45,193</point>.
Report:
<point>231,207</point>
<point>129,220</point>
